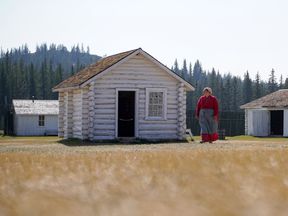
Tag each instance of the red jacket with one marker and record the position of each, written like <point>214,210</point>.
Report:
<point>209,102</point>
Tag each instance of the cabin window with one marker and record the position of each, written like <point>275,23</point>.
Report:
<point>155,104</point>
<point>41,120</point>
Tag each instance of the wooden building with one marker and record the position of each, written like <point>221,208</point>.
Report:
<point>268,115</point>
<point>35,117</point>
<point>130,94</point>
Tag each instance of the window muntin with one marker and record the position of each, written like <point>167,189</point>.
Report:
<point>156,104</point>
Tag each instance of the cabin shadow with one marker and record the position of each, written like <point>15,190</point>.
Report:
<point>73,142</point>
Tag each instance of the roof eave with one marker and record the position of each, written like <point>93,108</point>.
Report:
<point>65,89</point>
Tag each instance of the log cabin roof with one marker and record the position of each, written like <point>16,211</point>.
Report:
<point>35,107</point>
<point>105,63</point>
<point>278,99</point>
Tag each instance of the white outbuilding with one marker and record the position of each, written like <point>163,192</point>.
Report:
<point>268,115</point>
<point>35,117</point>
<point>130,94</point>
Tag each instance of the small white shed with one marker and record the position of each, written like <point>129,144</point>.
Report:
<point>268,115</point>
<point>35,117</point>
<point>129,94</point>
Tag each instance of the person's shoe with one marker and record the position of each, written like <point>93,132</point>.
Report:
<point>210,142</point>
<point>202,141</point>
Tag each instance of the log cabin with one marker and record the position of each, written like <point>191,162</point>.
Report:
<point>129,94</point>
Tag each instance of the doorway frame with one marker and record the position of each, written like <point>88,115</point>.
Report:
<point>136,110</point>
<point>283,126</point>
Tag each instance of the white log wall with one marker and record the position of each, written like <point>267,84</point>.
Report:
<point>68,116</point>
<point>61,114</point>
<point>91,113</point>
<point>77,114</point>
<point>85,113</point>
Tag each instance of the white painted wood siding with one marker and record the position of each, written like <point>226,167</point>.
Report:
<point>137,73</point>
<point>258,122</point>
<point>27,125</point>
<point>285,123</point>
<point>246,122</point>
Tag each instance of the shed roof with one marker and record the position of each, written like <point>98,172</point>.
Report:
<point>278,99</point>
<point>36,107</point>
<point>82,77</point>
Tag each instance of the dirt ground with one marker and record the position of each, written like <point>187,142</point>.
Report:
<point>45,176</point>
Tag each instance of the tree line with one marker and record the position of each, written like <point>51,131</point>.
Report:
<point>24,75</point>
<point>232,91</point>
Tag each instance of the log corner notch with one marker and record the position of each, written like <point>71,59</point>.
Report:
<point>181,125</point>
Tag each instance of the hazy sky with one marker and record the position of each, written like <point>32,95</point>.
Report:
<point>230,35</point>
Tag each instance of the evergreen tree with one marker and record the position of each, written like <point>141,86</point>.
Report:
<point>286,83</point>
<point>235,100</point>
<point>176,67</point>
<point>190,73</point>
<point>32,84</point>
<point>281,84</point>
<point>2,85</point>
<point>257,87</point>
<point>272,83</point>
<point>212,79</point>
<point>72,71</point>
<point>43,80</point>
<point>189,98</point>
<point>184,71</point>
<point>227,94</point>
<point>247,88</point>
<point>197,71</point>
<point>217,89</point>
<point>58,75</point>
<point>50,79</point>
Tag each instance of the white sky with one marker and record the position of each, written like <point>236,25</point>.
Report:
<point>230,35</point>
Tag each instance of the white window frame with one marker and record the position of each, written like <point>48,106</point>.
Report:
<point>164,91</point>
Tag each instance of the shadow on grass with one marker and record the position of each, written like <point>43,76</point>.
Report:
<point>73,142</point>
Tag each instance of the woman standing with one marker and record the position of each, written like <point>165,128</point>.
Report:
<point>207,113</point>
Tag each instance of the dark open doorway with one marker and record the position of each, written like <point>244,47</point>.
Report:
<point>277,117</point>
<point>126,114</point>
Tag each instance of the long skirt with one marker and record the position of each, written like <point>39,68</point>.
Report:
<point>209,126</point>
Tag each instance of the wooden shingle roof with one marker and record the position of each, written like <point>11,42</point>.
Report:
<point>278,99</point>
<point>92,70</point>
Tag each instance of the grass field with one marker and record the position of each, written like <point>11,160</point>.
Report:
<point>240,176</point>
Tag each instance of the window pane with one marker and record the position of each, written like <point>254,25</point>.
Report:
<point>41,120</point>
<point>156,100</point>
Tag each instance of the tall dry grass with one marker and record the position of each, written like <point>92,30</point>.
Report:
<point>159,182</point>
